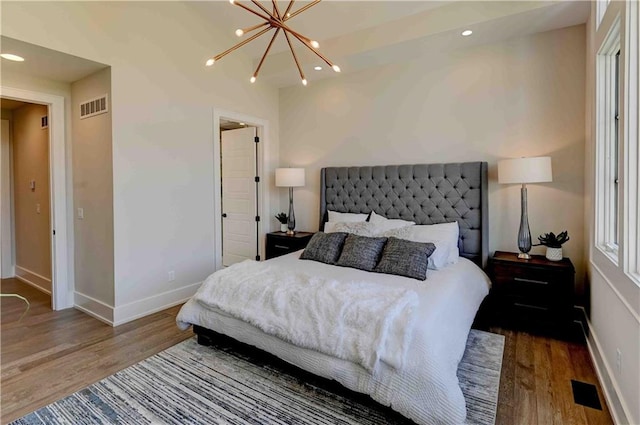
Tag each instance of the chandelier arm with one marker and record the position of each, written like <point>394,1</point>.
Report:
<point>295,58</point>
<point>320,55</point>
<point>264,9</point>
<point>302,9</point>
<point>248,9</point>
<point>266,52</point>
<point>285,27</point>
<point>276,9</point>
<point>288,9</point>
<point>242,43</point>
<point>255,27</point>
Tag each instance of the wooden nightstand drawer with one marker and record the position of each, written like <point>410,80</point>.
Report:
<point>279,243</point>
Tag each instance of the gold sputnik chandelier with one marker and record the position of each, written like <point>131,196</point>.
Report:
<point>274,19</point>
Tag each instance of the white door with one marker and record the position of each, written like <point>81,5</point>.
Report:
<point>6,262</point>
<point>238,159</point>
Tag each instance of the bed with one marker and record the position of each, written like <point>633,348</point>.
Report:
<point>425,388</point>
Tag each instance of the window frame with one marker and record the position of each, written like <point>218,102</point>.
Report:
<point>608,97</point>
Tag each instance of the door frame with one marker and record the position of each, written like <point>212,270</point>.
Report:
<point>62,285</point>
<point>262,127</point>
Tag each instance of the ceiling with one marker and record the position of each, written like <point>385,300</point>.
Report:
<point>362,34</point>
<point>45,63</point>
<point>11,104</point>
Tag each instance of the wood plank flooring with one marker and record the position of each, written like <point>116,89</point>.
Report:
<point>49,355</point>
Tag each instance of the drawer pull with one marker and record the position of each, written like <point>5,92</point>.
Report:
<point>540,282</point>
<point>531,306</point>
<point>282,247</point>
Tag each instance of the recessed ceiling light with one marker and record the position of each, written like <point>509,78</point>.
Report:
<point>467,33</point>
<point>242,123</point>
<point>318,68</point>
<point>12,57</point>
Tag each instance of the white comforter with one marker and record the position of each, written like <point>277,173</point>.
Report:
<point>353,320</point>
<point>426,387</point>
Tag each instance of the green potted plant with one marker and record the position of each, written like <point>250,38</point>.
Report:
<point>554,244</point>
<point>282,218</point>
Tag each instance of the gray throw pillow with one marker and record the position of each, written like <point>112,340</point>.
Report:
<point>361,252</point>
<point>324,247</point>
<point>405,258</point>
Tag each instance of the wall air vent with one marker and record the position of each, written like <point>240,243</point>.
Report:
<point>93,107</point>
<point>44,122</point>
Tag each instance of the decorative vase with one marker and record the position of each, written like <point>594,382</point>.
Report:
<point>554,254</point>
<point>283,227</point>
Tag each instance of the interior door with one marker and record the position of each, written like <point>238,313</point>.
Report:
<point>239,231</point>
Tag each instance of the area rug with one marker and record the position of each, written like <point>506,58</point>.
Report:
<point>241,385</point>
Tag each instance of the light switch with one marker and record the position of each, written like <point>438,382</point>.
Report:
<point>32,185</point>
<point>81,213</point>
<point>37,208</point>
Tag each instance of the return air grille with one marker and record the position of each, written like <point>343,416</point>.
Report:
<point>93,107</point>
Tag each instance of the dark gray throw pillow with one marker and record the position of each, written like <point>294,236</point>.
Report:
<point>324,247</point>
<point>361,252</point>
<point>405,258</point>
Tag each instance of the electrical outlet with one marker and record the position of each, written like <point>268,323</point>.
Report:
<point>81,213</point>
<point>37,208</point>
<point>172,275</point>
<point>619,361</point>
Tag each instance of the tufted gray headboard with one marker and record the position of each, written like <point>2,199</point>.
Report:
<point>424,193</point>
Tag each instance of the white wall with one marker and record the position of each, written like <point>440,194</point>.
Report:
<point>521,97</point>
<point>93,192</point>
<point>162,99</point>
<point>614,320</point>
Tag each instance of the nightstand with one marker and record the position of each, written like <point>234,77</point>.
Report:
<point>279,243</point>
<point>535,294</point>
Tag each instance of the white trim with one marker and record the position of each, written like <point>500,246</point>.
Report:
<point>146,306</point>
<point>6,209</point>
<point>263,188</point>
<point>617,406</point>
<point>94,308</point>
<point>631,138</point>
<point>62,284</point>
<point>31,278</point>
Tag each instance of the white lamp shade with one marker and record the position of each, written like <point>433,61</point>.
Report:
<point>525,170</point>
<point>289,177</point>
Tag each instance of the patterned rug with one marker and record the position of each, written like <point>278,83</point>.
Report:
<point>232,384</point>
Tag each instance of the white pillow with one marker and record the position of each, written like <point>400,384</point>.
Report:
<point>335,217</point>
<point>446,233</point>
<point>437,260</point>
<point>384,224</point>
<point>360,228</point>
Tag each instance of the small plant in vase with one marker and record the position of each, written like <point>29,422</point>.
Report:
<point>282,218</point>
<point>554,244</point>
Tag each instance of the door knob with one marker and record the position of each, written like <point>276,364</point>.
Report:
<point>224,215</point>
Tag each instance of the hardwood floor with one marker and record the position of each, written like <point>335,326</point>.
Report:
<point>49,355</point>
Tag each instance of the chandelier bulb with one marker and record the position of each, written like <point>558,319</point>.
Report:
<point>253,79</point>
<point>239,32</point>
<point>304,81</point>
<point>232,1</point>
<point>314,44</point>
<point>210,62</point>
<point>336,68</point>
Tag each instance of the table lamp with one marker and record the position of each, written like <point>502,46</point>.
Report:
<point>523,171</point>
<point>290,177</point>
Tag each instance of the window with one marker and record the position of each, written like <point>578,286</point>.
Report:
<point>608,98</point>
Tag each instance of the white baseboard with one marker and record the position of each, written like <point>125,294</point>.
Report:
<point>93,307</point>
<point>605,375</point>
<point>155,303</point>
<point>34,279</point>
